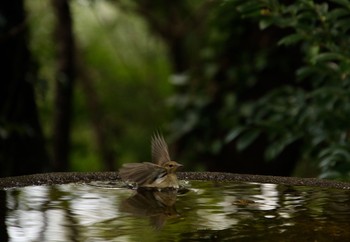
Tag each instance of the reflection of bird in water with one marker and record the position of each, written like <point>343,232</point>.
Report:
<point>159,174</point>
<point>157,205</point>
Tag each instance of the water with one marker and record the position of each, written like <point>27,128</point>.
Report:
<point>206,211</point>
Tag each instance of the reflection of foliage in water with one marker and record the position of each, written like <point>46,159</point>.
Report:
<point>209,210</point>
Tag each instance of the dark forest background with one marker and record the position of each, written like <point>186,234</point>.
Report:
<point>258,87</point>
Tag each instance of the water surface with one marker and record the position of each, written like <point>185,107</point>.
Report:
<point>205,211</point>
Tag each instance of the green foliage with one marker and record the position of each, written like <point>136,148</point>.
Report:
<point>316,109</point>
<point>260,68</point>
<point>129,70</point>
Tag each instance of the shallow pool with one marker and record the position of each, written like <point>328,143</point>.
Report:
<point>203,211</point>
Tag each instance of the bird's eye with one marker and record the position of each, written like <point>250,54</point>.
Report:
<point>170,166</point>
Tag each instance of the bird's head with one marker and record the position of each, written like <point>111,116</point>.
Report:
<point>171,166</point>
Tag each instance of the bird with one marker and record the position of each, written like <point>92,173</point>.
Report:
<point>160,173</point>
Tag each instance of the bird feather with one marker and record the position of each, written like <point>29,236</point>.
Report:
<point>141,173</point>
<point>160,153</point>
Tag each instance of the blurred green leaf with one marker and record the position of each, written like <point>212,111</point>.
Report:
<point>343,24</point>
<point>250,8</point>
<point>275,148</point>
<point>291,39</point>
<point>306,71</point>
<point>247,138</point>
<point>344,3</point>
<point>338,13</point>
<point>328,56</point>
<point>234,133</point>
<point>330,175</point>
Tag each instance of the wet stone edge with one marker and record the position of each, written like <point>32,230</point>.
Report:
<point>86,177</point>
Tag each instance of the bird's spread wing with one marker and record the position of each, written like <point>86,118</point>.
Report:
<point>160,152</point>
<point>141,173</point>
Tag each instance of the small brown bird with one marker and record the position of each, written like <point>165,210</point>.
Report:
<point>159,174</point>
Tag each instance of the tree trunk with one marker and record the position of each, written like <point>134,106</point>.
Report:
<point>64,84</point>
<point>22,149</point>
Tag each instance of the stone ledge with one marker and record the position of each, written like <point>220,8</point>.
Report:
<point>85,177</point>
